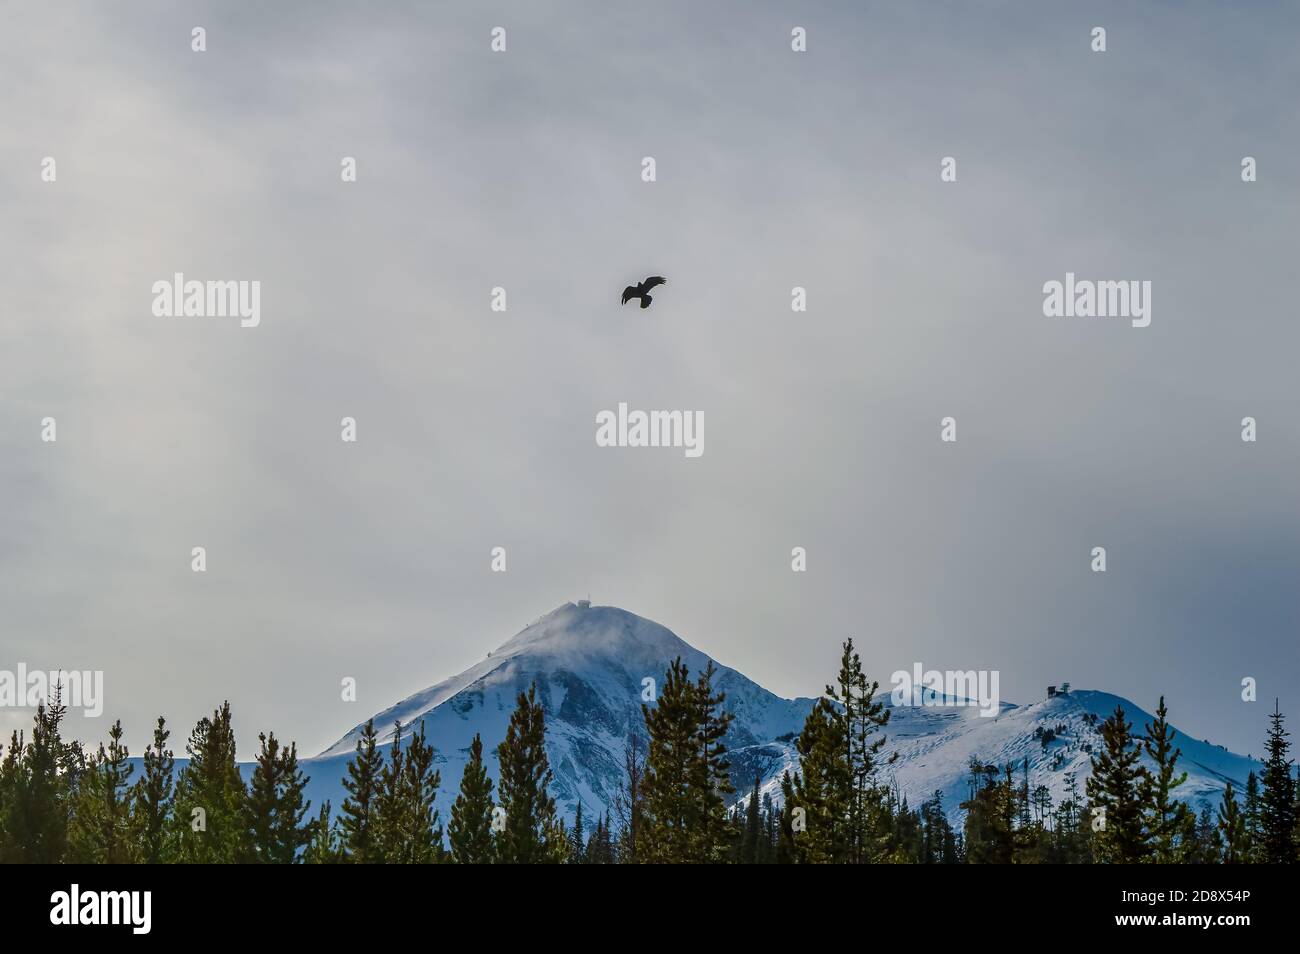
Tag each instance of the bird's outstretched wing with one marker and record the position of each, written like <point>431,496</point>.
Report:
<point>629,292</point>
<point>652,281</point>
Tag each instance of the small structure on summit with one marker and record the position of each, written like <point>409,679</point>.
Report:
<point>1053,691</point>
<point>584,604</point>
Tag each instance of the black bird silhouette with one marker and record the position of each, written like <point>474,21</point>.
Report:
<point>642,291</point>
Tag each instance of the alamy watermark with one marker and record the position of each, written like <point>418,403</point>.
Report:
<point>179,298</point>
<point>77,688</point>
<point>922,687</point>
<point>1081,298</point>
<point>626,428</point>
<point>130,908</point>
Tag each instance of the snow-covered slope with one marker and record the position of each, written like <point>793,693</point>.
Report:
<point>589,664</point>
<point>935,744</point>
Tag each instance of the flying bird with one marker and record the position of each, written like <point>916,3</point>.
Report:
<point>642,291</point>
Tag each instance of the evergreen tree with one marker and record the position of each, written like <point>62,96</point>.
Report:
<point>1251,815</point>
<point>100,829</point>
<point>905,842</point>
<point>671,805</point>
<point>839,755</point>
<point>1277,798</point>
<point>1048,849</point>
<point>863,717</point>
<point>578,839</point>
<point>208,824</point>
<point>950,851</point>
<point>606,842</point>
<point>558,839</point>
<point>989,835</point>
<point>710,779</point>
<point>1199,841</point>
<point>531,833</point>
<point>931,834</point>
<point>1008,810</point>
<point>629,803</point>
<point>686,771</point>
<point>749,853</point>
<point>771,832</point>
<point>326,844</point>
<point>260,804</point>
<point>389,799</point>
<point>823,788</point>
<point>11,783</point>
<point>152,799</point>
<point>1232,828</point>
<point>1165,816</point>
<point>1028,839</point>
<point>600,846</point>
<point>407,827</point>
<point>275,807</point>
<point>41,782</point>
<point>1071,826</point>
<point>1024,811</point>
<point>1295,815</point>
<point>421,842</point>
<point>938,841</point>
<point>787,853</point>
<point>470,827</point>
<point>1116,788</point>
<point>358,818</point>
<point>294,805</point>
<point>1042,803</point>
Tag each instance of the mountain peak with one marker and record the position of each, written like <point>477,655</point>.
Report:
<point>580,633</point>
<point>593,665</point>
<point>608,649</point>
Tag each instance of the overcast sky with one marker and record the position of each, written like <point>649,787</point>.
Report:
<point>476,429</point>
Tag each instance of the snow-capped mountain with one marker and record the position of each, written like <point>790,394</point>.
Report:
<point>590,664</point>
<point>935,743</point>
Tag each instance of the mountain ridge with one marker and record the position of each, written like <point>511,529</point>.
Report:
<point>590,665</point>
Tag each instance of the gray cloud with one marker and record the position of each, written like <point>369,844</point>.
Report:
<point>521,170</point>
